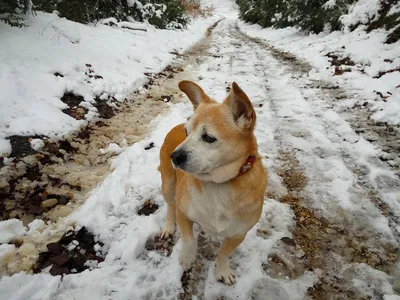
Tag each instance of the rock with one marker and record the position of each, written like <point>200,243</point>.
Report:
<point>49,203</point>
<point>288,241</point>
<point>60,259</point>
<point>80,112</point>
<point>3,183</point>
<point>30,160</point>
<point>79,262</point>
<point>28,250</point>
<point>59,211</point>
<point>27,219</point>
<point>54,176</point>
<point>63,200</point>
<point>35,209</point>
<point>58,270</point>
<point>13,214</point>
<point>9,204</point>
<point>54,248</point>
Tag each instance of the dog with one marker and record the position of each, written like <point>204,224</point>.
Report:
<point>212,175</point>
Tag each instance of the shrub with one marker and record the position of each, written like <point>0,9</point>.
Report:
<point>388,20</point>
<point>12,11</point>
<point>309,15</point>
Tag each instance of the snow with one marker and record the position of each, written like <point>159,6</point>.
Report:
<point>289,118</point>
<point>112,147</point>
<point>29,58</point>
<point>5,147</point>
<point>369,52</point>
<point>37,144</point>
<point>394,9</point>
<point>11,229</point>
<point>361,12</point>
<point>330,4</point>
<point>33,287</point>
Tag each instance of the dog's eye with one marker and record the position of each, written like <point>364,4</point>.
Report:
<point>208,138</point>
<point>186,132</point>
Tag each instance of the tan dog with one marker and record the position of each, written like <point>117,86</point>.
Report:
<point>212,175</point>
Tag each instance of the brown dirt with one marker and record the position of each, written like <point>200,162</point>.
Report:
<point>148,208</point>
<point>336,61</point>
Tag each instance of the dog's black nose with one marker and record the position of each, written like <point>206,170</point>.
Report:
<point>179,157</point>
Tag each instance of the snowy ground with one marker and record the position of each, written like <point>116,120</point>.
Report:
<point>330,225</point>
<point>38,64</point>
<point>366,50</point>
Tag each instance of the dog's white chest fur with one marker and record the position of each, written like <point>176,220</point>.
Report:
<point>212,210</point>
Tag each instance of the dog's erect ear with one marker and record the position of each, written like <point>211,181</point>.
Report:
<point>194,92</point>
<point>241,108</point>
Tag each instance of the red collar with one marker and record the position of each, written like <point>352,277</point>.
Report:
<point>247,165</point>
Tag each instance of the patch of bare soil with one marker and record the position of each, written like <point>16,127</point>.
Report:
<point>52,182</point>
<point>148,208</point>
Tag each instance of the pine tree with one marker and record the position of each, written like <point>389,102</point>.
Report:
<point>12,11</point>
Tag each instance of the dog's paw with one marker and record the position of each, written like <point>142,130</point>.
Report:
<point>185,262</point>
<point>167,231</point>
<point>225,274</point>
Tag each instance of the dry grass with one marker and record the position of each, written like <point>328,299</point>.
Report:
<point>194,9</point>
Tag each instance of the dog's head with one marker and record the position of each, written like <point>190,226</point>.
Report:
<point>218,134</point>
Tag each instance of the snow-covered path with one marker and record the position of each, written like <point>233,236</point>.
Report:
<point>330,226</point>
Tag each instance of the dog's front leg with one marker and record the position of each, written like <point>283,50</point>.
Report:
<point>188,251</point>
<point>222,271</point>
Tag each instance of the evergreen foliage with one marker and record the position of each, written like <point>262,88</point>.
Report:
<point>315,15</point>
<point>160,13</point>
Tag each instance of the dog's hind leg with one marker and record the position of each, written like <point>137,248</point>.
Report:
<point>168,175</point>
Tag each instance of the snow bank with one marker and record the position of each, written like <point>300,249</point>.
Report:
<point>38,64</point>
<point>368,51</point>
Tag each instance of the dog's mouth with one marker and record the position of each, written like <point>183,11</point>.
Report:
<point>189,169</point>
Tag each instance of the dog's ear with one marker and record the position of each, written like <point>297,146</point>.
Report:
<point>241,108</point>
<point>195,93</point>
